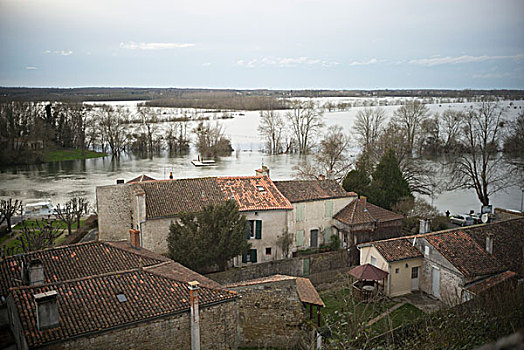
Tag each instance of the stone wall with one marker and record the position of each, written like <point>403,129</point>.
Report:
<point>271,315</point>
<point>114,212</point>
<point>318,264</point>
<point>218,330</point>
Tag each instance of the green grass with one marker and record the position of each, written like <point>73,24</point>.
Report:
<point>405,313</point>
<point>70,154</point>
<point>56,223</point>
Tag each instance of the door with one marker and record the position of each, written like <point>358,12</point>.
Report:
<point>435,285</point>
<point>314,238</point>
<point>414,278</point>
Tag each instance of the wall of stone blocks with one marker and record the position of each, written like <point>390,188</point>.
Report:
<point>218,330</point>
<point>114,212</point>
<point>319,263</point>
<point>271,315</point>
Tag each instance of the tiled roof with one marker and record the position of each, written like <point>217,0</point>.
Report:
<point>465,254</point>
<point>310,190</point>
<point>479,287</point>
<point>179,272</point>
<point>253,193</point>
<point>74,261</point>
<point>307,292</point>
<point>166,198</point>
<point>358,212</point>
<point>141,178</point>
<point>397,249</point>
<point>368,272</point>
<point>508,241</point>
<point>305,289</point>
<point>90,304</point>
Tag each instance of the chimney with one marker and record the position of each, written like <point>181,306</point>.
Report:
<point>363,201</point>
<point>120,181</point>
<point>489,243</point>
<point>170,175</point>
<point>262,171</point>
<point>47,310</point>
<point>425,226</point>
<point>35,271</point>
<point>321,177</point>
<point>195,317</point>
<point>134,238</point>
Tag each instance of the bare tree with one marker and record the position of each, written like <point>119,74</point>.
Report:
<point>39,235</point>
<point>113,124</point>
<point>409,117</point>
<point>480,166</point>
<point>368,126</point>
<point>211,141</point>
<point>451,122</point>
<point>80,207</point>
<point>271,126</point>
<point>332,154</point>
<point>8,209</point>
<point>67,213</point>
<point>149,123</point>
<point>306,121</point>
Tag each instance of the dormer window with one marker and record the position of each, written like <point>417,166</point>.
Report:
<point>261,189</point>
<point>121,297</point>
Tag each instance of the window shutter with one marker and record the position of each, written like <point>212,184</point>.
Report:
<point>248,231</point>
<point>300,212</point>
<point>244,258</point>
<point>258,230</point>
<point>253,255</point>
<point>328,209</point>
<point>327,235</point>
<point>300,238</point>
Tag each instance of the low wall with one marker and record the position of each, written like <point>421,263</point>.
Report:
<point>323,267</point>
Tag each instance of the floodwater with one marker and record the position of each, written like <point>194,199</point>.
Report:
<point>60,181</point>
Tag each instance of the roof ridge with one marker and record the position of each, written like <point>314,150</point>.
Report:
<point>242,177</point>
<point>60,247</point>
<point>108,243</point>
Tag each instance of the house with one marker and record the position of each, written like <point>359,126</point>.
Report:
<point>361,221</point>
<point>99,294</point>
<point>452,265</point>
<point>277,311</point>
<point>314,204</point>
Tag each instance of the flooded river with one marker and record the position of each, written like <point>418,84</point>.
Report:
<point>62,180</point>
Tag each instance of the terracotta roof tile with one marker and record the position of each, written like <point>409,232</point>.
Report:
<point>74,261</point>
<point>358,212</point>
<point>490,282</point>
<point>166,198</point>
<point>398,249</point>
<point>253,193</point>
<point>148,296</point>
<point>179,272</point>
<point>465,254</point>
<point>310,190</point>
<point>141,178</point>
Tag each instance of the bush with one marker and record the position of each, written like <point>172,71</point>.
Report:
<point>334,242</point>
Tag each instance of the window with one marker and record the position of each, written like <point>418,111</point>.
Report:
<point>301,209</point>
<point>254,229</point>
<point>414,272</point>
<point>300,238</point>
<point>268,251</point>
<point>328,209</point>
<point>396,270</point>
<point>373,261</point>
<point>250,256</point>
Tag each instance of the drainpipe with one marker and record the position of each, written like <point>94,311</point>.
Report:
<point>195,317</point>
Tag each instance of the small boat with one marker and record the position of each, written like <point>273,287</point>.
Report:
<point>199,163</point>
<point>39,209</point>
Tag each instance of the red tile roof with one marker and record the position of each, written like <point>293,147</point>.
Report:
<point>311,190</point>
<point>358,212</point>
<point>179,272</point>
<point>166,198</point>
<point>253,193</point>
<point>465,254</point>
<point>90,305</point>
<point>368,272</point>
<point>141,178</point>
<point>490,282</point>
<point>75,261</point>
<point>397,249</point>
<point>305,289</point>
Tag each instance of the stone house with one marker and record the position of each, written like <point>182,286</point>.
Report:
<point>361,221</point>
<point>315,202</point>
<point>110,294</point>
<point>277,311</point>
<point>150,206</point>
<point>456,264</point>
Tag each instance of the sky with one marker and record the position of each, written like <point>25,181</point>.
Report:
<point>244,44</point>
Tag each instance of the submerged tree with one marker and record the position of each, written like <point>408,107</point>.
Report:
<point>8,209</point>
<point>368,126</point>
<point>211,141</point>
<point>410,117</point>
<point>305,121</point>
<point>271,127</point>
<point>210,237</point>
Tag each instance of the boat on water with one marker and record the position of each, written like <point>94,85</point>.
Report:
<point>201,162</point>
<point>43,208</point>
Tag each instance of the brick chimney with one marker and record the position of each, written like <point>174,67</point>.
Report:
<point>195,316</point>
<point>489,243</point>
<point>170,175</point>
<point>47,310</point>
<point>134,238</point>
<point>120,181</point>
<point>262,171</point>
<point>363,201</point>
<point>35,271</point>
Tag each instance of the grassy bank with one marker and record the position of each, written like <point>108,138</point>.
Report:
<point>70,154</point>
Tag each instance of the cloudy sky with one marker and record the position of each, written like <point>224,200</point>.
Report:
<point>282,44</point>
